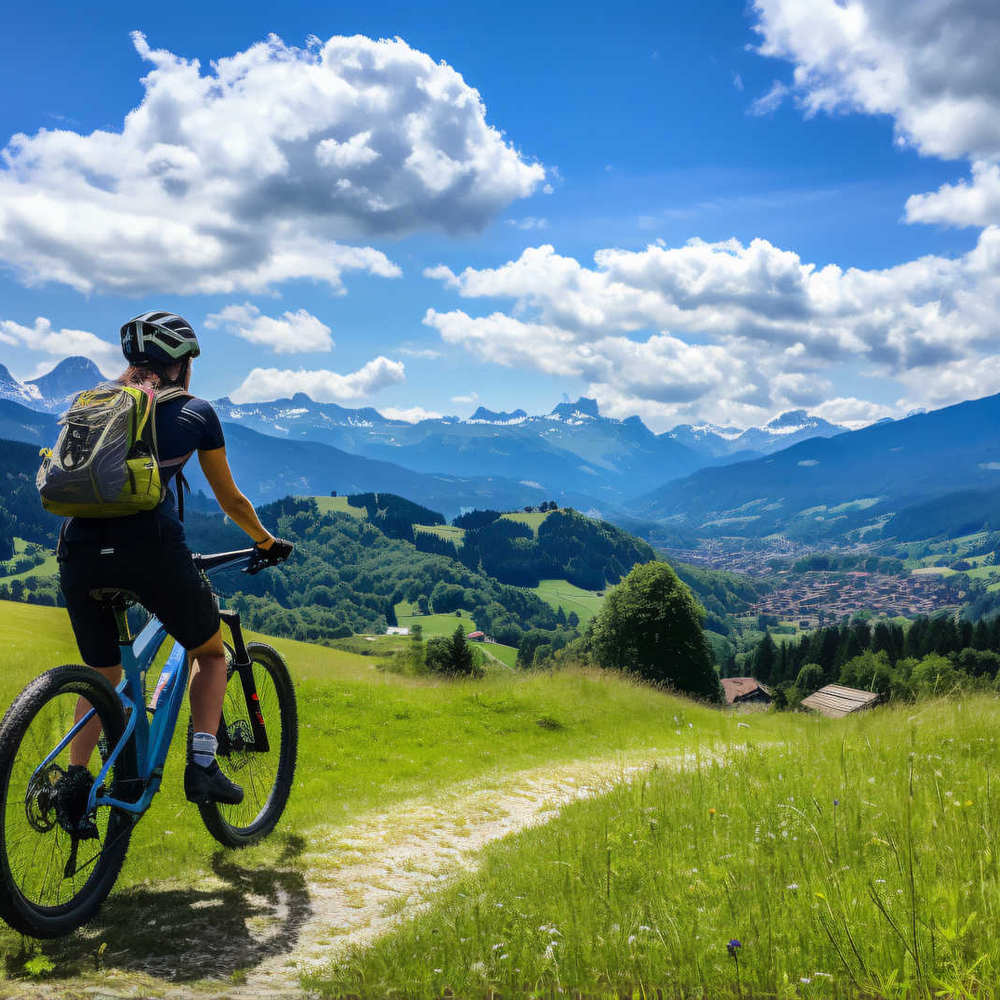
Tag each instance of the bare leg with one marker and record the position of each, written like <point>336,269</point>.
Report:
<point>208,684</point>
<point>84,742</point>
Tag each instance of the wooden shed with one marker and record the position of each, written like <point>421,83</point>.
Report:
<point>835,701</point>
<point>745,691</point>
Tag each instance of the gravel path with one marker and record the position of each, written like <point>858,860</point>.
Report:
<point>260,931</point>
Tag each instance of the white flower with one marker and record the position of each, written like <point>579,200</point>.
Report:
<point>792,885</point>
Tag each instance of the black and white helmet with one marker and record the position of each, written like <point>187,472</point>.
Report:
<point>158,336</point>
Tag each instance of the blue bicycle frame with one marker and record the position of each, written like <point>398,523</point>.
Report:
<point>152,739</point>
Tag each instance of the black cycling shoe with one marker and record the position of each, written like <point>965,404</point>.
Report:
<point>208,784</point>
<point>71,794</point>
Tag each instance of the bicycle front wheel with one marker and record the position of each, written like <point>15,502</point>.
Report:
<point>51,879</point>
<point>266,776</point>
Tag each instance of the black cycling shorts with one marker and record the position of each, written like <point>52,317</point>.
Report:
<point>161,574</point>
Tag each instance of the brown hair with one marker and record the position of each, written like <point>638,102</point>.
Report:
<point>157,374</point>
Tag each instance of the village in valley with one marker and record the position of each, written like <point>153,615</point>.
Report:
<point>813,599</point>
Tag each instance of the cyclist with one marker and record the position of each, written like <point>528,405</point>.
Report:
<point>146,555</point>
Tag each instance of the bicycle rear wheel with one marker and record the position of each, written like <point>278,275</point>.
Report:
<point>265,776</point>
<point>50,881</point>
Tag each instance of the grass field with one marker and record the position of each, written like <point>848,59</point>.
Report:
<point>434,624</point>
<point>367,739</point>
<point>339,504</point>
<point>532,520</point>
<point>559,593</point>
<point>507,655</point>
<point>447,531</point>
<point>860,861</point>
<point>47,568</point>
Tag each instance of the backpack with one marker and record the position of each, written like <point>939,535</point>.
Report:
<point>105,463</point>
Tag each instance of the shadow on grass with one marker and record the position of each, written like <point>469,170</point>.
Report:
<point>181,934</point>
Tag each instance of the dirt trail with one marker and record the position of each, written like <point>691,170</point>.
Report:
<point>352,884</point>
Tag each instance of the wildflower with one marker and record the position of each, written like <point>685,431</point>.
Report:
<point>711,812</point>
<point>805,980</point>
<point>742,725</point>
<point>792,885</point>
<point>968,802</point>
<point>733,947</point>
<point>631,939</point>
<point>643,927</point>
<point>836,802</point>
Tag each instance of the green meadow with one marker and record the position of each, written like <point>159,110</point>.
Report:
<point>559,593</point>
<point>858,858</point>
<point>532,519</point>
<point>329,505</point>
<point>368,739</point>
<point>849,858</point>
<point>446,531</point>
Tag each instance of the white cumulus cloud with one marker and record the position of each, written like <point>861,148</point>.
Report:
<point>293,333</point>
<point>409,415</point>
<point>265,167</point>
<point>931,66</point>
<point>319,384</point>
<point>40,336</point>
<point>730,331</point>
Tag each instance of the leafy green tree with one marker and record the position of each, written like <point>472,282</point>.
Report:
<point>650,625</point>
<point>936,675</point>
<point>868,672</point>
<point>810,679</point>
<point>451,656</point>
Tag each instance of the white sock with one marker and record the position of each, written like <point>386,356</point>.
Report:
<point>204,746</point>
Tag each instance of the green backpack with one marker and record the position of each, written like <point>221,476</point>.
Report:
<point>104,463</point>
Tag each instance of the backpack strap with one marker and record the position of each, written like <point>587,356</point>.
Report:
<point>174,392</point>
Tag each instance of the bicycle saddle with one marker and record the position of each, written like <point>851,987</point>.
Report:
<point>112,597</point>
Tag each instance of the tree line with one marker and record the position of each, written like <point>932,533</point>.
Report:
<point>567,546</point>
<point>933,654</point>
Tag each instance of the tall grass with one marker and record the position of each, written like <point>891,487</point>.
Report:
<point>370,739</point>
<point>859,859</point>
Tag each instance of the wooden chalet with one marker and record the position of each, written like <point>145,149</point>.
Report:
<point>745,691</point>
<point>835,701</point>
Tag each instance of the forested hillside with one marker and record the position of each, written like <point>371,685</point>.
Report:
<point>20,512</point>
<point>951,516</point>
<point>347,576</point>
<point>567,546</point>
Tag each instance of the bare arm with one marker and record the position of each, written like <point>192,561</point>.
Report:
<point>215,465</point>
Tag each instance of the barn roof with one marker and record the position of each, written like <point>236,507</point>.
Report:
<point>836,701</point>
<point>736,688</point>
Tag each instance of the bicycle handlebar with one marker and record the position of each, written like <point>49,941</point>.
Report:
<point>224,560</point>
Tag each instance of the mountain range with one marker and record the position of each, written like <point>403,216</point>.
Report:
<point>827,486</point>
<point>573,449</point>
<point>797,474</point>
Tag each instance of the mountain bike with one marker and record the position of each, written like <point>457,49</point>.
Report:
<point>62,848</point>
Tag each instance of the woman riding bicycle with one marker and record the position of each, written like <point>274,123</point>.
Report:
<point>146,555</point>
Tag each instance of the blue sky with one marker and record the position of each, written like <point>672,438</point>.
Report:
<point>781,135</point>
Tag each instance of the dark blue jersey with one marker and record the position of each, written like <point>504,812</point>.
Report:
<point>183,426</point>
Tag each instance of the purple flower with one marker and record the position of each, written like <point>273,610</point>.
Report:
<point>733,946</point>
<point>836,802</point>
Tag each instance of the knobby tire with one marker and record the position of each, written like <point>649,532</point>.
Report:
<point>266,778</point>
<point>36,898</point>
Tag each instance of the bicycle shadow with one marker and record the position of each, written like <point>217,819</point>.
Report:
<point>196,932</point>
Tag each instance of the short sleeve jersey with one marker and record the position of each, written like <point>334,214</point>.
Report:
<point>183,426</point>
